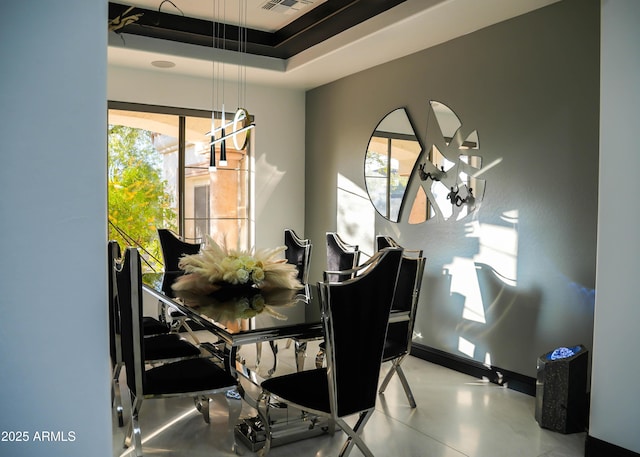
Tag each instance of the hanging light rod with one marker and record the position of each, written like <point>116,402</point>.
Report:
<point>229,124</point>
<point>229,135</point>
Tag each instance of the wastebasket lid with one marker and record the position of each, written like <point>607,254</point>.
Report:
<point>563,353</point>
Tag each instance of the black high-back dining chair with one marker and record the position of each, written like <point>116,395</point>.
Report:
<point>173,248</point>
<point>196,377</point>
<point>115,348</point>
<point>162,346</point>
<point>355,315</point>
<point>298,253</point>
<point>400,334</point>
<point>342,262</point>
<point>341,256</point>
<point>151,325</point>
<point>385,241</point>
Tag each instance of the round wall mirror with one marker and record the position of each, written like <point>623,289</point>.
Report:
<point>406,181</point>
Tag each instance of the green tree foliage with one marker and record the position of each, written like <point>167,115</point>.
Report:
<point>138,199</point>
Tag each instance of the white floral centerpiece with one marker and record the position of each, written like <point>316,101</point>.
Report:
<point>216,267</point>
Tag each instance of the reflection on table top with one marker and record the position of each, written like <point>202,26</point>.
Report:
<point>242,315</point>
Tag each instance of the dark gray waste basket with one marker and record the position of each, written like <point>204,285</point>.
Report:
<point>561,390</point>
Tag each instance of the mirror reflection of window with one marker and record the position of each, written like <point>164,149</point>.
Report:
<point>392,153</point>
<point>448,121</point>
<point>420,209</point>
<point>377,174</point>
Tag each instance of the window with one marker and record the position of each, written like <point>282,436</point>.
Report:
<point>159,176</point>
<point>201,210</point>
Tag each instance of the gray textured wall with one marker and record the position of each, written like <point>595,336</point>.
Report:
<point>530,87</point>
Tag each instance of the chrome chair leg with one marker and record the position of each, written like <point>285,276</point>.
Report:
<point>331,427</point>
<point>320,358</point>
<point>116,399</point>
<point>300,349</point>
<point>354,435</point>
<point>202,404</point>
<point>180,322</point>
<point>234,403</point>
<point>128,435</point>
<point>258,353</point>
<point>133,435</point>
<point>396,368</point>
<point>405,385</point>
<point>266,421</point>
<point>387,378</point>
<point>162,312</point>
<point>274,349</point>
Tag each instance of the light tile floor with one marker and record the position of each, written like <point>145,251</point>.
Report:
<point>456,416</point>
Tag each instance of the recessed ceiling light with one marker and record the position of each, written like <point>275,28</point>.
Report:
<point>163,64</point>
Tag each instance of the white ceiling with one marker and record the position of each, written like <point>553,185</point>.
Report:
<point>407,28</point>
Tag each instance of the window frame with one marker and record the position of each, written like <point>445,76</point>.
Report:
<point>183,114</point>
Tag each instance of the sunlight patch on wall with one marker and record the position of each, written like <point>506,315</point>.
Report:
<point>464,281</point>
<point>498,246</point>
<point>265,182</point>
<point>466,347</point>
<point>487,360</point>
<point>356,216</point>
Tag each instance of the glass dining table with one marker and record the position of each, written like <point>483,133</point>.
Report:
<point>240,316</point>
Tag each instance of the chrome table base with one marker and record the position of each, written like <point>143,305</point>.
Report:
<point>250,431</point>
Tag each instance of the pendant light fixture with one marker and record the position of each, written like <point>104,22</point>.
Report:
<point>242,120</point>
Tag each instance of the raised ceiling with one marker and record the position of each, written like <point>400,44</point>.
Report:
<point>293,43</point>
<point>274,28</point>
